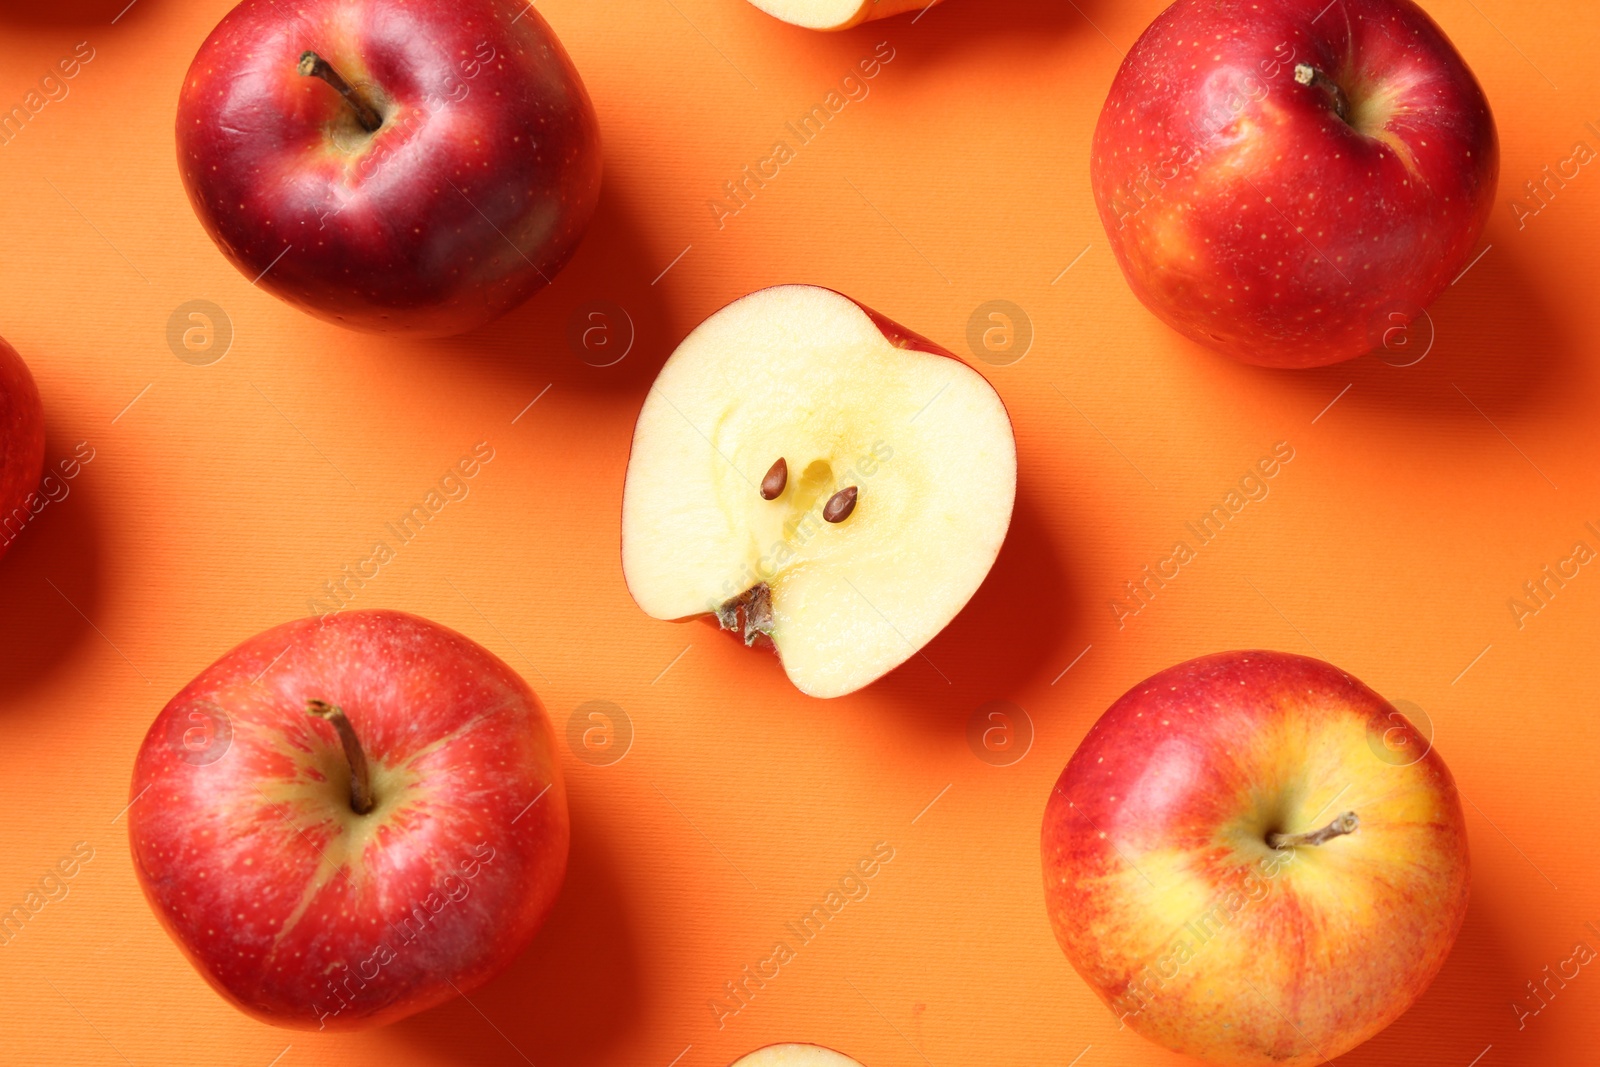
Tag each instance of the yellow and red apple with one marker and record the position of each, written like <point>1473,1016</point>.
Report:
<point>1240,865</point>
<point>817,475</point>
<point>1280,179</point>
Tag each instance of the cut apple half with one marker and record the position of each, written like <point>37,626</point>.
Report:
<point>796,1056</point>
<point>808,471</point>
<point>837,14</point>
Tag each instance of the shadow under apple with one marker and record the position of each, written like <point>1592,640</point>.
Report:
<point>50,580</point>
<point>1466,1007</point>
<point>1011,634</point>
<point>1491,337</point>
<point>573,994</point>
<point>88,14</point>
<point>600,324</point>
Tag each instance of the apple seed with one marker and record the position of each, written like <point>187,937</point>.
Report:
<point>840,505</point>
<point>777,477</point>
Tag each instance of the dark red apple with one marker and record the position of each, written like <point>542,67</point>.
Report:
<point>1286,180</point>
<point>1254,859</point>
<point>417,167</point>
<point>351,818</point>
<point>21,446</point>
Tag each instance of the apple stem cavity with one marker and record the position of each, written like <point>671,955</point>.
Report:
<point>361,799</point>
<point>840,505</point>
<point>1344,824</point>
<point>756,603</point>
<point>1308,75</point>
<point>777,477</point>
<point>314,66</point>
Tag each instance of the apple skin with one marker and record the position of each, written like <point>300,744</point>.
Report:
<point>1155,837</point>
<point>298,910</point>
<point>1254,220</point>
<point>467,200</point>
<point>21,445</point>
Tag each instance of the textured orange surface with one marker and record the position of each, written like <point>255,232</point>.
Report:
<point>221,496</point>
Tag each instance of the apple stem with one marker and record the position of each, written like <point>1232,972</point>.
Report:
<point>361,799</point>
<point>1344,824</point>
<point>314,66</point>
<point>1306,74</point>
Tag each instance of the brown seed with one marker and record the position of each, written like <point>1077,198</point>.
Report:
<point>840,505</point>
<point>778,477</point>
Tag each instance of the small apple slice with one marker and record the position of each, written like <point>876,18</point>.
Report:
<point>837,14</point>
<point>899,471</point>
<point>796,1056</point>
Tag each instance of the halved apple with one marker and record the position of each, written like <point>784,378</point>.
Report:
<point>796,1056</point>
<point>809,471</point>
<point>837,14</point>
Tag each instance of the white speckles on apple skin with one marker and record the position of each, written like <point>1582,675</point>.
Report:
<point>1187,159</point>
<point>470,826</point>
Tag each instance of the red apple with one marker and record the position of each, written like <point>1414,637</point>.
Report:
<point>348,819</point>
<point>1252,858</point>
<point>812,473</point>
<point>416,166</point>
<point>1286,180</point>
<point>21,446</point>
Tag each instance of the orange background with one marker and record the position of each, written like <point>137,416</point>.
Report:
<point>217,504</point>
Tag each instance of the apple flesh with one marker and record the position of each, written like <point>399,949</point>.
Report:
<point>1284,181</point>
<point>21,445</point>
<point>837,14</point>
<point>899,475</point>
<point>1252,858</point>
<point>417,167</point>
<point>795,1056</point>
<point>332,875</point>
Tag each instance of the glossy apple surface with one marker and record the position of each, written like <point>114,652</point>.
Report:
<point>855,407</point>
<point>298,908</point>
<point>21,445</point>
<point>469,196</point>
<point>1179,890</point>
<point>1285,180</point>
<point>837,14</point>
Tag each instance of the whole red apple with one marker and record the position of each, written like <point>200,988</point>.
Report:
<point>349,819</point>
<point>21,445</point>
<point>1287,180</point>
<point>416,166</point>
<point>1252,858</point>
